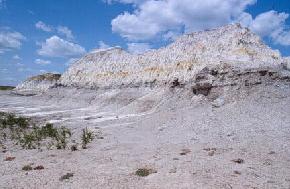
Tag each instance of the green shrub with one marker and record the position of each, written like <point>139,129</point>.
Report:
<point>61,138</point>
<point>144,172</point>
<point>87,137</point>
<point>49,131</point>
<point>9,119</point>
<point>30,140</point>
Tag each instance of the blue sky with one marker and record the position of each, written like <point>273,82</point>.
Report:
<point>38,36</point>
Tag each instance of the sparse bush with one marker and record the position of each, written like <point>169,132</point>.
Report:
<point>87,137</point>
<point>61,138</point>
<point>49,131</point>
<point>30,140</point>
<point>29,136</point>
<point>11,121</point>
<point>144,172</point>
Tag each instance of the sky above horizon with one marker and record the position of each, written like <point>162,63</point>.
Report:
<point>38,36</point>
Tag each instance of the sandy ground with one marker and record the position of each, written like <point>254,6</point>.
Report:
<point>150,128</point>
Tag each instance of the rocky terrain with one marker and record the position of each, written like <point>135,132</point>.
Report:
<point>37,84</point>
<point>232,45</point>
<point>211,110</point>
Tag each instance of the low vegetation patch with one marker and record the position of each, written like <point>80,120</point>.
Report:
<point>144,172</point>
<point>87,137</point>
<point>4,88</point>
<point>25,133</point>
<point>27,168</point>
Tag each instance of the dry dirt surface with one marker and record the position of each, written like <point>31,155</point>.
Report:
<point>181,140</point>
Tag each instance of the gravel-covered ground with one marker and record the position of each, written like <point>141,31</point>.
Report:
<point>183,139</point>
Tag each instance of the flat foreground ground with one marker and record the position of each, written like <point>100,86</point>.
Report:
<point>184,139</point>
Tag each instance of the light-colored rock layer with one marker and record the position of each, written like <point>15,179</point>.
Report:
<point>39,83</point>
<point>182,60</point>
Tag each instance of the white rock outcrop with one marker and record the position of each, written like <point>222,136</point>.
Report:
<point>37,84</point>
<point>181,60</point>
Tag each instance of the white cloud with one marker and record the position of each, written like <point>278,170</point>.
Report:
<point>16,57</point>
<point>10,40</point>
<point>138,48</point>
<point>268,24</point>
<point>167,19</point>
<point>3,70</point>
<point>44,27</point>
<point>103,45</point>
<point>126,1</point>
<point>58,47</point>
<point>155,17</point>
<point>63,30</point>
<point>283,38</point>
<point>71,61</point>
<point>171,35</point>
<point>42,62</point>
<point>22,69</point>
<point>19,64</point>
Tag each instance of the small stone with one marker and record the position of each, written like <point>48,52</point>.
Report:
<point>9,158</point>
<point>237,172</point>
<point>239,161</point>
<point>218,102</point>
<point>184,152</point>
<point>66,176</point>
<point>74,147</point>
<point>211,153</point>
<point>173,170</point>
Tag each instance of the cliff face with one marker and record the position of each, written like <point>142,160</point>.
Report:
<point>180,61</point>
